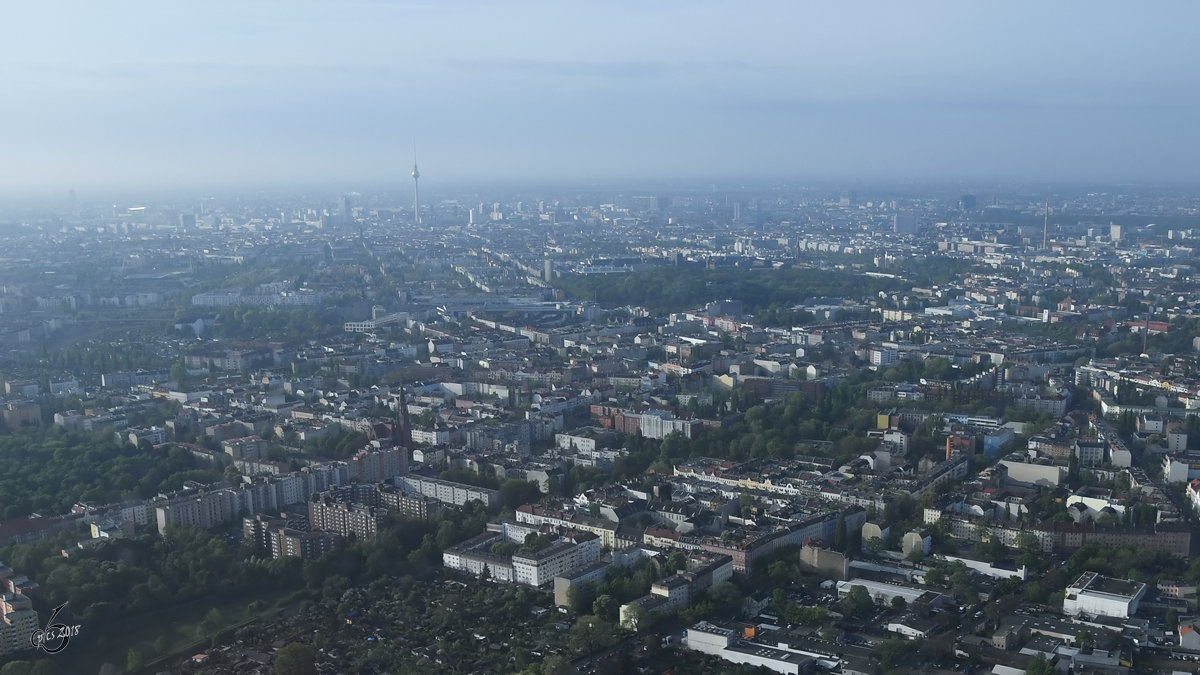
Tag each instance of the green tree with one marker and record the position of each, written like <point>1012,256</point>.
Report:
<point>857,602</point>
<point>133,661</point>
<point>874,545</point>
<point>515,492</point>
<point>1122,484</point>
<point>46,667</point>
<point>895,651</point>
<point>294,658</point>
<point>726,599</point>
<point>935,576</point>
<point>214,620</point>
<point>556,664</point>
<point>1040,665</point>
<point>676,562</point>
<point>639,619</point>
<point>580,598</point>
<point>606,607</point>
<point>839,534</point>
<point>590,634</point>
<point>178,373</point>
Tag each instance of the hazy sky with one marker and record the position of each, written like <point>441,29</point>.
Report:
<point>164,93</point>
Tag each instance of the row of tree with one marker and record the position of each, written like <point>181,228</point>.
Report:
<point>50,469</point>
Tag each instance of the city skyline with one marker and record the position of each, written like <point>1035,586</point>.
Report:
<point>149,96</point>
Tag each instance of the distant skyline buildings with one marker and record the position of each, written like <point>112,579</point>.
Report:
<point>758,204</point>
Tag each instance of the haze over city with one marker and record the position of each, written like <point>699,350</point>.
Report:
<point>563,338</point>
<point>150,95</point>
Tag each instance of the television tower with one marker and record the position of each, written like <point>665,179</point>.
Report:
<point>416,192</point>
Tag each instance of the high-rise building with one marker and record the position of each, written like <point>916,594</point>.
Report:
<point>273,537</point>
<point>18,620</point>
<point>289,543</point>
<point>204,510</point>
<point>347,211</point>
<point>371,466</point>
<point>326,514</point>
<point>904,223</point>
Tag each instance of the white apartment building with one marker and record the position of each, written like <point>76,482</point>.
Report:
<point>1095,595</point>
<point>540,568</point>
<point>447,492</point>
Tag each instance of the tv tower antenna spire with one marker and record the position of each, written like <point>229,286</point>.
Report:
<point>416,174</point>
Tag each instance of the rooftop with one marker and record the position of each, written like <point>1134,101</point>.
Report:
<point>1092,582</point>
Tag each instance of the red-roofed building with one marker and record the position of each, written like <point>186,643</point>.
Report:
<point>1189,635</point>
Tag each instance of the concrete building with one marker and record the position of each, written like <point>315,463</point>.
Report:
<point>290,537</point>
<point>22,388</point>
<point>994,441</point>
<point>989,569</point>
<point>677,592</point>
<point>913,627</point>
<point>1091,452</point>
<point>533,514</point>
<point>539,568</point>
<point>904,223</point>
<point>18,414</point>
<point>877,529</point>
<point>474,557</point>
<point>588,573</point>
<point>375,466</point>
<point>1122,458</point>
<point>447,492</point>
<point>1095,595</point>
<point>732,646</point>
<point>1189,633</point>
<point>1044,472</point>
<point>917,540</point>
<point>1193,494</point>
<point>823,561</point>
<point>660,424</point>
<point>273,537</point>
<point>347,519</point>
<point>1177,438</point>
<point>206,510</point>
<point>18,620</point>
<point>1179,468</point>
<point>884,356</point>
<point>884,593</point>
